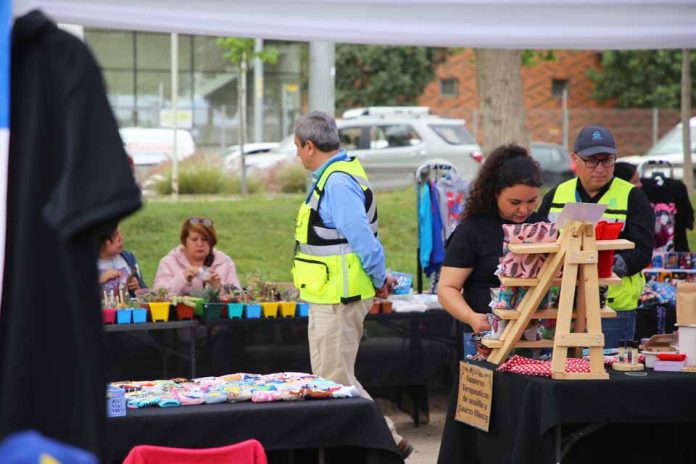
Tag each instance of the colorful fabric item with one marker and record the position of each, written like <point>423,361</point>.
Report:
<point>285,386</point>
<point>513,265</point>
<point>452,192</point>
<point>437,254</point>
<point>246,452</point>
<point>664,226</point>
<point>425,227</point>
<point>526,366</point>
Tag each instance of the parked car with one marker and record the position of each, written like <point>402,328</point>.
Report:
<point>555,162</point>
<point>254,156</point>
<point>668,148</point>
<point>392,142</point>
<point>149,146</point>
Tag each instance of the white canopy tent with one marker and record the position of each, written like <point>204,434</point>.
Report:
<point>540,24</point>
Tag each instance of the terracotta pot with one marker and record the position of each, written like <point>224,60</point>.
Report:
<point>386,307</point>
<point>374,309</point>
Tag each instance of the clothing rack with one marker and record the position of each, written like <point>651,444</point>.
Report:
<point>430,171</point>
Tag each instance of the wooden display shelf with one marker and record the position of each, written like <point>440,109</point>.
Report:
<point>534,248</point>
<point>576,254</point>
<point>524,282</point>
<point>519,344</point>
<point>512,314</point>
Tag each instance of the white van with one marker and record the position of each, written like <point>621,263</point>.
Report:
<point>151,146</point>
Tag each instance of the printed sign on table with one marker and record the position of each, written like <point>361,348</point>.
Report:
<point>475,396</point>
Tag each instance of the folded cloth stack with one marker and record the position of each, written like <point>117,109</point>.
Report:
<point>521,365</point>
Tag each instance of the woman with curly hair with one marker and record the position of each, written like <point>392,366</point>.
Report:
<point>506,191</point>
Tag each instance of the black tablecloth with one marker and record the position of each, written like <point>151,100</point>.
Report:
<point>653,416</point>
<point>396,349</point>
<point>353,422</point>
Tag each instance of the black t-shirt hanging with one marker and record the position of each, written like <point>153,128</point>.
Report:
<point>660,189</point>
<point>68,179</point>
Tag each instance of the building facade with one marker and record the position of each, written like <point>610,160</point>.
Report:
<point>137,70</point>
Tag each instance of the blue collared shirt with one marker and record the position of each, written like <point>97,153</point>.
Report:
<point>343,207</point>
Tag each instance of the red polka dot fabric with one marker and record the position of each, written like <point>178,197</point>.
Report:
<point>526,366</point>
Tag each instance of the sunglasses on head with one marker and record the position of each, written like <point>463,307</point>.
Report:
<point>202,221</point>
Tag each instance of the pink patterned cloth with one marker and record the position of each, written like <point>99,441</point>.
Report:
<point>521,365</point>
<point>512,265</point>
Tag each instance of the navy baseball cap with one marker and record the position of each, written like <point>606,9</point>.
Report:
<point>593,140</point>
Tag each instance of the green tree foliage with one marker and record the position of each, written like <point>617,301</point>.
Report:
<point>643,79</point>
<point>369,75</point>
<point>239,49</point>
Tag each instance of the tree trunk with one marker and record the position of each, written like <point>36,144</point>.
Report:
<point>688,171</point>
<point>501,102</point>
<point>242,95</point>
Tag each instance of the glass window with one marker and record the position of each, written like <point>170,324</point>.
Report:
<point>112,49</point>
<point>453,134</point>
<point>119,87</point>
<point>401,135</point>
<point>449,87</point>
<point>558,86</point>
<point>350,137</point>
<point>153,51</point>
<point>208,56</point>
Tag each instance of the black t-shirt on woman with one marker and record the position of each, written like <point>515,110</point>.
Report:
<point>478,243</point>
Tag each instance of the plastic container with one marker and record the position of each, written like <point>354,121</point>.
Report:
<point>404,281</point>
<point>109,315</point>
<point>184,312</point>
<point>115,401</point>
<point>252,311</point>
<point>235,310</point>
<point>687,343</point>
<point>159,312</point>
<point>213,311</point>
<point>288,308</point>
<point>606,231</point>
<point>386,307</point>
<point>139,315</point>
<point>124,316</point>
<point>302,310</point>
<point>270,309</point>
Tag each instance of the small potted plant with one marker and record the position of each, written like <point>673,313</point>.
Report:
<point>158,301</point>
<point>288,303</point>
<point>212,307</point>
<point>269,296</point>
<point>139,314</point>
<point>235,305</point>
<point>185,307</point>
<point>250,297</point>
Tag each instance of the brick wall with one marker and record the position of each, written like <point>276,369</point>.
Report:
<point>633,128</point>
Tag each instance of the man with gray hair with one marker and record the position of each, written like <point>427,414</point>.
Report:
<point>339,261</point>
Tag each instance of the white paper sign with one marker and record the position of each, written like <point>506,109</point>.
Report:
<point>583,212</point>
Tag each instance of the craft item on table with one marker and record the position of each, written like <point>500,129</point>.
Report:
<point>191,398</point>
<point>627,366</point>
<point>506,297</point>
<point>215,396</point>
<point>404,281</point>
<point>689,369</point>
<point>672,260</point>
<point>547,329</point>
<point>527,265</point>
<point>169,401</point>
<point>658,260</point>
<point>497,326</point>
<point>669,366</point>
<point>521,365</point>
<point>482,351</point>
<point>532,332</point>
<point>656,292</point>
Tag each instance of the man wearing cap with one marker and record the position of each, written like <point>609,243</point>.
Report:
<point>594,154</point>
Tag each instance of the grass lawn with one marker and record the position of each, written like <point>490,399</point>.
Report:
<point>257,232</point>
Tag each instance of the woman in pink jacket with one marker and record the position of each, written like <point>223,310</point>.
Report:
<point>195,263</point>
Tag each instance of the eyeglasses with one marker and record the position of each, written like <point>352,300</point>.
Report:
<point>594,162</point>
<point>202,221</point>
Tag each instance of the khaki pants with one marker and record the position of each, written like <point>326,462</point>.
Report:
<point>334,334</point>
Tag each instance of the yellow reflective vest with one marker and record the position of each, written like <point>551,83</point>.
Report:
<point>325,269</point>
<point>622,296</point>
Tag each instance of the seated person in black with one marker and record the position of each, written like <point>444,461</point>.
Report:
<point>506,191</point>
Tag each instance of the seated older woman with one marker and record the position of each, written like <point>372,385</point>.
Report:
<point>195,263</point>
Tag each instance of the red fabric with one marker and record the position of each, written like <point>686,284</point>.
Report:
<point>521,365</point>
<point>246,452</point>
<point>606,231</point>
